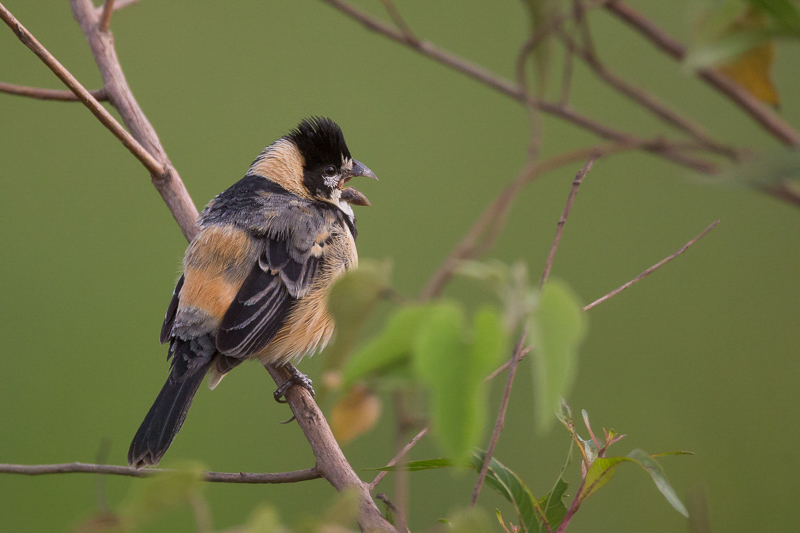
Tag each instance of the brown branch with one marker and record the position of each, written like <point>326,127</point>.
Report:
<point>501,416</point>
<point>648,101</point>
<point>398,19</point>
<point>397,457</point>
<point>652,268</point>
<point>511,90</point>
<point>760,112</point>
<point>48,94</point>
<point>562,221</point>
<point>167,181</point>
<point>105,16</point>
<point>331,462</point>
<point>129,471</point>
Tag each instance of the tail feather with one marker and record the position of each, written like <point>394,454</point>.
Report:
<point>165,418</point>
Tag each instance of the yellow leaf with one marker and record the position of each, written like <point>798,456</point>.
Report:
<point>355,414</point>
<point>752,71</point>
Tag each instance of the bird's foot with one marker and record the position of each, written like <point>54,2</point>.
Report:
<point>295,378</point>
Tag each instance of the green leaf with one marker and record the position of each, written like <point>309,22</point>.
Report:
<point>600,473</point>
<point>455,369</point>
<point>351,301</point>
<point>512,488</point>
<point>603,469</point>
<point>414,466</point>
<point>659,478</point>
<point>391,347</point>
<point>783,12</point>
<point>553,504</point>
<point>558,327</point>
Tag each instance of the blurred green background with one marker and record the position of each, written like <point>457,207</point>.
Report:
<point>702,356</point>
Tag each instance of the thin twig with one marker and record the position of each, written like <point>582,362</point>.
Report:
<point>129,471</point>
<point>398,19</point>
<point>152,165</point>
<point>105,17</point>
<point>511,90</point>
<point>573,192</point>
<point>652,268</point>
<point>397,457</point>
<point>48,94</point>
<point>481,235</point>
<point>760,112</point>
<point>401,519</point>
<point>501,417</point>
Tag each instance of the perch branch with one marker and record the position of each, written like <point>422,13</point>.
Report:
<point>652,268</point>
<point>129,471</point>
<point>47,94</point>
<point>331,462</point>
<point>762,114</point>
<point>562,221</point>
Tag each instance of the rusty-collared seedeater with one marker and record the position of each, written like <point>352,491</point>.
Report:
<point>256,277</point>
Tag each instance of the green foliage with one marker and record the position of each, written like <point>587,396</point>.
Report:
<point>454,367</point>
<point>502,479</point>
<point>732,27</point>
<point>557,328</point>
<point>389,349</point>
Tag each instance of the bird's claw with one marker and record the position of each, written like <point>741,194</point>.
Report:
<point>295,378</point>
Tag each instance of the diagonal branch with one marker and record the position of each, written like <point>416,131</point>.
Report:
<point>331,462</point>
<point>129,471</point>
<point>500,422</point>
<point>762,114</point>
<point>562,221</point>
<point>652,268</point>
<point>648,101</point>
<point>81,93</point>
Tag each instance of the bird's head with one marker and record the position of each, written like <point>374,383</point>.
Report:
<point>313,161</point>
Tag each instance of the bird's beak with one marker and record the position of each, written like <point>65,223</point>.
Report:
<point>353,196</point>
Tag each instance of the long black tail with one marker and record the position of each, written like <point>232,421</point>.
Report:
<point>165,417</point>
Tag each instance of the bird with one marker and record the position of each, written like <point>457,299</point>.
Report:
<point>256,276</point>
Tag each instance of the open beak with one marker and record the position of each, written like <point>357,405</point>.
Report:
<point>351,195</point>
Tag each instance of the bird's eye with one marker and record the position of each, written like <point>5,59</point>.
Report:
<point>329,171</point>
